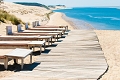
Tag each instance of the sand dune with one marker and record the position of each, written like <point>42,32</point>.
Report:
<point>26,13</point>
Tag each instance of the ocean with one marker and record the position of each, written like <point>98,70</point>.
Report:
<point>100,18</point>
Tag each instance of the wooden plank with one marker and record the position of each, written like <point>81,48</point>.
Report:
<point>19,53</point>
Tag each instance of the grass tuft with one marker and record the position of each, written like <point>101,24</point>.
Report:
<point>48,14</point>
<point>5,17</point>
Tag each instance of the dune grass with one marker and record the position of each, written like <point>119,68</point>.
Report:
<point>48,14</point>
<point>5,17</point>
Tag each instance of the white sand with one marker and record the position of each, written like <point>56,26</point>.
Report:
<point>110,43</point>
<point>26,13</point>
<point>57,19</point>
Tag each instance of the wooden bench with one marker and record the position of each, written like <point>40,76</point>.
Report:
<point>9,32</point>
<point>45,29</point>
<point>27,38</point>
<point>22,44</point>
<point>36,31</point>
<point>34,44</point>
<point>37,24</point>
<point>18,54</point>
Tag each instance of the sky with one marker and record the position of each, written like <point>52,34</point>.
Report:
<point>74,3</point>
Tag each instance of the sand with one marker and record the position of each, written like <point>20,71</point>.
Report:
<point>26,13</point>
<point>57,19</point>
<point>109,41</point>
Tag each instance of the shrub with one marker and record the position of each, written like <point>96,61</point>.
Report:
<point>4,17</point>
<point>48,15</point>
<point>32,4</point>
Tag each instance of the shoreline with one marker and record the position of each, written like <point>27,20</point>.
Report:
<point>69,21</point>
<point>57,19</point>
<point>78,24</point>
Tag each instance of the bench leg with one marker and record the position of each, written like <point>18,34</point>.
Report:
<point>51,41</point>
<point>40,49</point>
<point>57,37</point>
<point>16,61</point>
<point>6,63</point>
<point>33,48</point>
<point>48,42</point>
<point>30,58</point>
<point>22,63</point>
<point>44,46</point>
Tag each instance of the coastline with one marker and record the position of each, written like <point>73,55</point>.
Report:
<point>64,17</point>
<point>78,24</point>
<point>57,19</point>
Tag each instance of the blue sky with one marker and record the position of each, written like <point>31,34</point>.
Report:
<point>74,3</point>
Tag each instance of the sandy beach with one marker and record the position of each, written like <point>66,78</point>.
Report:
<point>57,19</point>
<point>108,39</point>
<point>110,43</point>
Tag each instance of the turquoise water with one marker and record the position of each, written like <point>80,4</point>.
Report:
<point>97,18</point>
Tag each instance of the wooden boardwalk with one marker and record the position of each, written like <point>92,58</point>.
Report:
<point>77,57</point>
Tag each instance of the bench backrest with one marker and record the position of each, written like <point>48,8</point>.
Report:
<point>37,23</point>
<point>26,26</point>
<point>9,30</point>
<point>19,28</point>
<point>33,24</point>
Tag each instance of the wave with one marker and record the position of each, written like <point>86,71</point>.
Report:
<point>111,18</point>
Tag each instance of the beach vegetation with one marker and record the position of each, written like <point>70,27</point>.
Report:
<point>48,14</point>
<point>61,5</point>
<point>51,6</point>
<point>32,4</point>
<point>6,17</point>
<point>55,6</point>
